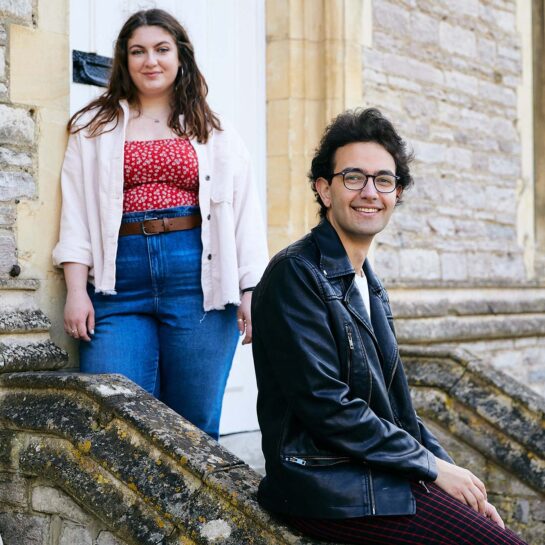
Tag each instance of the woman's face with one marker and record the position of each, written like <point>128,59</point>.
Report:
<point>152,61</point>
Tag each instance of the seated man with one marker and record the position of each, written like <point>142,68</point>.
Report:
<point>347,458</point>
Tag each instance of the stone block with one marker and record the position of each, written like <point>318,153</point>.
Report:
<point>457,40</point>
<point>13,490</point>
<point>462,82</point>
<point>2,62</point>
<point>72,534</point>
<point>391,17</point>
<point>17,9</point>
<point>16,126</point>
<point>3,35</point>
<point>46,499</point>
<point>429,152</point>
<point>486,50</point>
<point>424,28</point>
<point>459,157</point>
<point>107,538</point>
<point>31,82</point>
<point>387,262</point>
<point>454,266</point>
<point>6,442</point>
<point>8,252</point>
<point>12,158</point>
<point>14,185</point>
<point>419,264</point>
<point>23,529</point>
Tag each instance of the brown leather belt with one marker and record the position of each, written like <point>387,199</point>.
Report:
<point>163,225</point>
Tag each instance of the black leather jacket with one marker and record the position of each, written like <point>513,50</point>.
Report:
<point>340,435</point>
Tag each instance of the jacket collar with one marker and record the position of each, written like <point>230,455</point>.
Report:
<point>334,260</point>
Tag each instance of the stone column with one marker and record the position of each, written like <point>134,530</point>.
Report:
<point>313,73</point>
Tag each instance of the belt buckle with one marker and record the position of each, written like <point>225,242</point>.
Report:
<point>143,227</point>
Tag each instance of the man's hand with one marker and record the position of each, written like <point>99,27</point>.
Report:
<point>244,319</point>
<point>461,484</point>
<point>492,514</point>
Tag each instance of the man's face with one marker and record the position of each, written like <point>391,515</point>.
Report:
<point>358,216</point>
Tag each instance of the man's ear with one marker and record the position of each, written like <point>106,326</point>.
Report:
<point>323,187</point>
<point>399,193</point>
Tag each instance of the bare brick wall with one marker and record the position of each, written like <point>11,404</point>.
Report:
<point>447,72</point>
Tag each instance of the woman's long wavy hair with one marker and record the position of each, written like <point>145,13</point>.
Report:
<point>189,91</point>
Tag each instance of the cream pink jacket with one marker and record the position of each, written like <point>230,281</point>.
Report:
<point>233,236</point>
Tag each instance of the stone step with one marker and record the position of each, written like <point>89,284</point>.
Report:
<point>23,321</point>
<point>42,355</point>
<point>18,294</point>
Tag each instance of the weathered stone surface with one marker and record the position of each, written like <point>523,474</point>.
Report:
<point>23,529</point>
<point>73,533</point>
<point>31,356</point>
<point>8,215</point>
<point>46,499</point>
<point>450,329</point>
<point>132,463</point>
<point>22,321</point>
<point>13,158</point>
<point>107,538</point>
<point>16,184</point>
<point>500,418</point>
<point>119,508</point>
<point>8,251</point>
<point>13,490</point>
<point>18,9</point>
<point>16,125</point>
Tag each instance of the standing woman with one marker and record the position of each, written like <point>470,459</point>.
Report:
<point>161,236</point>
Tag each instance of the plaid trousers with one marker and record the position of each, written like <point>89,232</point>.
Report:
<point>439,520</point>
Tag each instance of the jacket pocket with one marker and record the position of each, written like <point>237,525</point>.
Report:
<point>316,461</point>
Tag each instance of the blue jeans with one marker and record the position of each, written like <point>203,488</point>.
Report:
<point>155,331</point>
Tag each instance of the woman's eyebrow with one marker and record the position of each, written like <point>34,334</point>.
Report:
<point>156,45</point>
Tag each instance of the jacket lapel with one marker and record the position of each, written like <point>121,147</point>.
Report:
<point>383,332</point>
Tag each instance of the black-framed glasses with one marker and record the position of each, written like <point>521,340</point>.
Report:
<point>355,180</point>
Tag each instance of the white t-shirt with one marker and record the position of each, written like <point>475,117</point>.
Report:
<point>361,282</point>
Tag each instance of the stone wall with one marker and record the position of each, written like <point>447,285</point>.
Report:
<point>94,460</point>
<point>447,73</point>
<point>505,327</point>
<point>491,424</point>
<point>17,143</point>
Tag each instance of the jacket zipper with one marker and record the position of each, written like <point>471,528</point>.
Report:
<point>307,460</point>
<point>295,460</point>
<point>424,486</point>
<point>372,493</point>
<point>351,349</point>
<point>394,369</point>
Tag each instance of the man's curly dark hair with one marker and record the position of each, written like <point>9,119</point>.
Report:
<point>358,125</point>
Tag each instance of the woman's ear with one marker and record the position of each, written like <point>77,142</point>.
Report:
<point>399,192</point>
<point>323,187</point>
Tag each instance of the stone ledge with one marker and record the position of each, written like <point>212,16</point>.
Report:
<point>25,284</point>
<point>23,321</point>
<point>467,301</point>
<point>100,436</point>
<point>469,328</point>
<point>31,356</point>
<point>490,411</point>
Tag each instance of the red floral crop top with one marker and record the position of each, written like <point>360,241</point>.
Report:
<point>160,174</point>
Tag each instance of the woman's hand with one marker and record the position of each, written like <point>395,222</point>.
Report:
<point>461,484</point>
<point>244,319</point>
<point>79,314</point>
